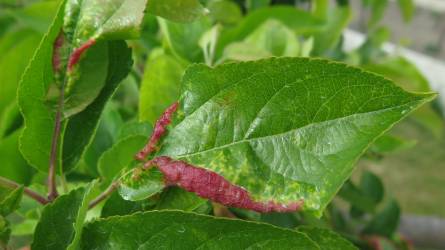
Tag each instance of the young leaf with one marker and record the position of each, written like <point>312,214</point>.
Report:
<point>297,137</point>
<point>299,21</point>
<point>326,239</point>
<point>61,223</point>
<point>179,230</point>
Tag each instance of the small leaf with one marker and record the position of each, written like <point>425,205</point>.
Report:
<point>372,186</point>
<point>11,202</point>
<point>385,222</point>
<point>140,184</point>
<point>176,10</point>
<point>115,205</point>
<point>357,197</point>
<point>298,20</point>
<point>179,230</point>
<point>326,239</point>
<point>61,221</point>
<point>297,137</point>
<point>225,12</point>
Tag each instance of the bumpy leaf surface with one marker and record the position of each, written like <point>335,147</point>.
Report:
<point>179,230</point>
<point>284,129</point>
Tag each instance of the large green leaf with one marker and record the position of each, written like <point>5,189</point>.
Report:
<point>61,223</point>
<point>284,129</point>
<point>178,230</point>
<point>176,10</point>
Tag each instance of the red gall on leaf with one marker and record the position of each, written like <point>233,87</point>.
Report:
<point>77,53</point>
<point>57,57</point>
<point>158,132</point>
<point>210,185</point>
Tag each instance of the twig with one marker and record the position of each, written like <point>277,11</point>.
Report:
<point>113,186</point>
<point>32,194</point>
<point>52,186</point>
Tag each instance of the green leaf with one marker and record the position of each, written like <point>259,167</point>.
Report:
<point>407,8</point>
<point>372,186</point>
<point>357,197</point>
<point>299,21</point>
<point>337,20</point>
<point>61,221</point>
<point>10,121</point>
<point>297,137</point>
<point>13,61</point>
<point>272,38</point>
<point>389,144</point>
<point>326,239</point>
<point>115,205</point>
<point>176,10</point>
<point>177,198</point>
<point>109,20</point>
<point>406,74</point>
<point>183,38</point>
<point>178,230</point>
<point>37,16</point>
<point>378,8</point>
<point>160,86</point>
<point>14,167</point>
<point>120,156</point>
<point>386,222</point>
<point>11,202</point>
<point>256,4</point>
<point>140,184</point>
<point>225,12</point>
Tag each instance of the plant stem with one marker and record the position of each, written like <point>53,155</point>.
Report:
<point>52,186</point>
<point>32,194</point>
<point>113,186</point>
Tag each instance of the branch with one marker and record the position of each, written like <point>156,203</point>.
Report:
<point>113,186</point>
<point>13,185</point>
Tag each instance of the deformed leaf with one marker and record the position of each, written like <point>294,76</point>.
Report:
<point>180,230</point>
<point>297,137</point>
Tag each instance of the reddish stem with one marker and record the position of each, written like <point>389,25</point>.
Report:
<point>104,195</point>
<point>158,132</point>
<point>210,185</point>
